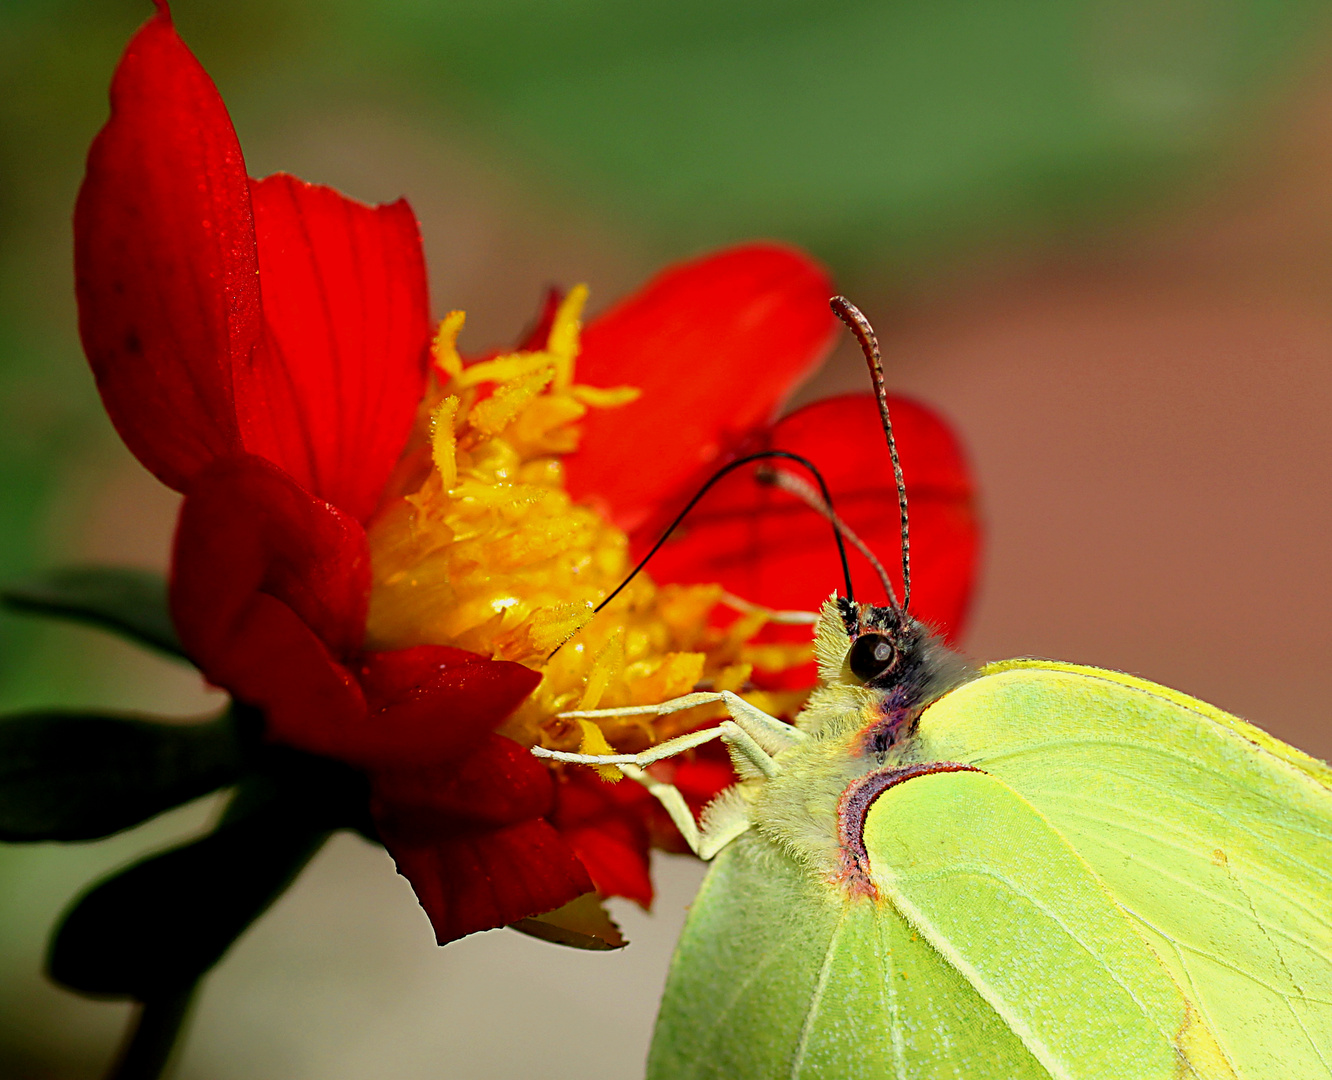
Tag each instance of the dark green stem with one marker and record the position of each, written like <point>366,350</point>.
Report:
<point>157,1027</point>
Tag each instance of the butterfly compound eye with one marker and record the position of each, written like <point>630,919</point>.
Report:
<point>871,656</point>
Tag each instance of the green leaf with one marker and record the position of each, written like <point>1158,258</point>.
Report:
<point>116,598</point>
<point>76,776</point>
<point>167,920</point>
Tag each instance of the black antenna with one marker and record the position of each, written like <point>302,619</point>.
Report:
<point>730,467</point>
<point>748,459</point>
<point>869,345</point>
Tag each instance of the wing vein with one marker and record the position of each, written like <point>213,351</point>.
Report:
<point>816,999</point>
<point>1163,871</point>
<point>891,1003</point>
<point>1019,1027</point>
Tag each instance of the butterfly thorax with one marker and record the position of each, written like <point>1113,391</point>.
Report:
<point>878,670</point>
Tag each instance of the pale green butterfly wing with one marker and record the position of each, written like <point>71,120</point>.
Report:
<point>778,975</point>
<point>992,951</point>
<point>1214,837</point>
<point>1007,902</point>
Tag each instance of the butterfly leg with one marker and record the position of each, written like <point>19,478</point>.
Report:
<point>752,737</point>
<point>749,757</point>
<point>772,734</point>
<point>704,842</point>
<point>744,744</point>
<point>670,798</point>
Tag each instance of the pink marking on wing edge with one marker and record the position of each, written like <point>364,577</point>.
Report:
<point>852,809</point>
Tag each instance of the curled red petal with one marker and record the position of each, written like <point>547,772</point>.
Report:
<point>164,259</point>
<point>715,345</point>
<point>766,546</point>
<point>395,676</point>
<point>246,528</point>
<point>269,588</point>
<point>431,704</point>
<point>332,392</point>
<point>275,662</point>
<point>470,881</point>
<point>499,783</point>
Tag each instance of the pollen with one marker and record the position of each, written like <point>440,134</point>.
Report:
<point>479,545</point>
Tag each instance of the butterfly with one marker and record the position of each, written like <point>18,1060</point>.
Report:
<point>1028,870</point>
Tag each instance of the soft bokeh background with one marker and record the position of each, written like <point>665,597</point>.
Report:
<point>1097,234</point>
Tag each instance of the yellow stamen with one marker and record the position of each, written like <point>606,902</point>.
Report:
<point>443,442</point>
<point>562,342</point>
<point>608,664</point>
<point>608,397</point>
<point>482,548</point>
<point>594,742</point>
<point>492,415</point>
<point>444,349</point>
<point>733,677</point>
<point>501,369</point>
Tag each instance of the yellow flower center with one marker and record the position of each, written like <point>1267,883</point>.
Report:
<point>479,546</point>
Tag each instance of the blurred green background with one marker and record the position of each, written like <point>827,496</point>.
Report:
<point>1059,204</point>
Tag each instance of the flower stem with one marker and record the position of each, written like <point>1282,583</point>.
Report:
<point>156,1029</point>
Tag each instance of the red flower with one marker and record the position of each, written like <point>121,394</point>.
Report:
<point>261,346</point>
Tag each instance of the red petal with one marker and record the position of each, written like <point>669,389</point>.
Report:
<point>607,824</point>
<point>269,589</point>
<point>476,881</point>
<point>333,391</point>
<point>616,856</point>
<point>715,345</point>
<point>431,704</point>
<point>247,528</point>
<point>275,662</point>
<point>399,675</point>
<point>164,259</point>
<point>499,783</point>
<point>766,546</point>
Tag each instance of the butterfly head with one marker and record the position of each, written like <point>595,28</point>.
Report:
<point>900,659</point>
